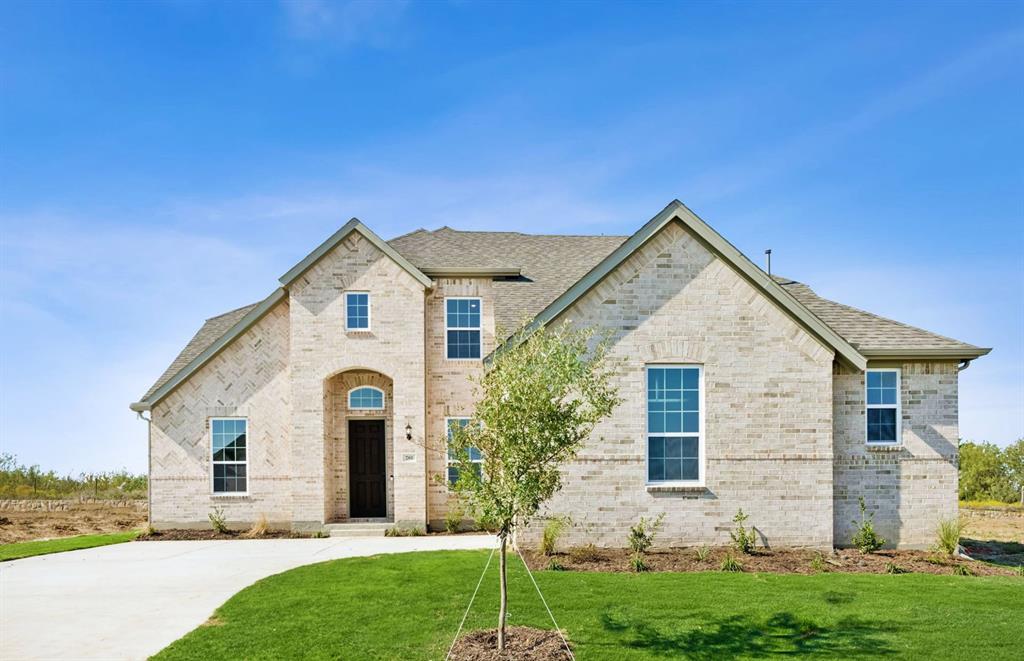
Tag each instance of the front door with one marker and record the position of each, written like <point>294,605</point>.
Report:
<point>367,473</point>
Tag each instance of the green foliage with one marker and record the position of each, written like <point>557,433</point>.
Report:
<point>320,534</point>
<point>866,539</point>
<point>892,568</point>
<point>404,531</point>
<point>730,564</point>
<point>703,552</point>
<point>948,535</point>
<point>962,570</point>
<point>453,518</point>
<point>1020,571</point>
<point>818,563</point>
<point>555,565</point>
<point>990,473</point>
<point>539,400</point>
<point>217,520</point>
<point>552,531</point>
<point>742,539</point>
<point>24,482</point>
<point>43,547</point>
<point>641,538</point>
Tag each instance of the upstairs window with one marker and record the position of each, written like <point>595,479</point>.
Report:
<point>882,394</point>
<point>366,398</point>
<point>674,424</point>
<point>228,443</point>
<point>462,328</point>
<point>357,311</point>
<point>474,454</point>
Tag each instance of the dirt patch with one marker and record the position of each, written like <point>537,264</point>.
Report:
<point>997,524</point>
<point>87,518</point>
<point>179,534</point>
<point>782,561</point>
<point>521,644</point>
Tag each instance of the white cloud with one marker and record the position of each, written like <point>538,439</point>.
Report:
<point>345,22</point>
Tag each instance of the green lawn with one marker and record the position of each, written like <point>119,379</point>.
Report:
<point>28,549</point>
<point>408,607</point>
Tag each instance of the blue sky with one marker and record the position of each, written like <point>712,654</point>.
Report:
<point>163,162</point>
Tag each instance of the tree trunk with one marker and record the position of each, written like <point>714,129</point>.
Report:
<point>503,608</point>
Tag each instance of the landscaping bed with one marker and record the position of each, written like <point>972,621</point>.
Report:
<point>179,534</point>
<point>521,644</point>
<point>782,561</point>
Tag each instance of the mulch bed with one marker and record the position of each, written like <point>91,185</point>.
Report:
<point>781,561</point>
<point>521,644</point>
<point>176,534</point>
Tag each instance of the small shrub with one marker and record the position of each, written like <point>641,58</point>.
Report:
<point>396,531</point>
<point>1020,570</point>
<point>555,565</point>
<point>552,531</point>
<point>703,552</point>
<point>742,539</point>
<point>730,564</point>
<point>937,560</point>
<point>892,568</point>
<point>962,570</point>
<point>320,534</point>
<point>588,553</point>
<point>818,563</point>
<point>148,531</point>
<point>636,563</point>
<point>948,535</point>
<point>217,520</point>
<point>453,519</point>
<point>867,540</point>
<point>641,538</point>
<point>259,528</point>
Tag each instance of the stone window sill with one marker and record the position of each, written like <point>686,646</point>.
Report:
<point>894,447</point>
<point>676,488</point>
<point>230,496</point>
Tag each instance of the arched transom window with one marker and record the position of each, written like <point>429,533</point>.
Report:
<point>366,398</point>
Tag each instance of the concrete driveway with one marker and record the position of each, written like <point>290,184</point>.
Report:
<point>128,601</point>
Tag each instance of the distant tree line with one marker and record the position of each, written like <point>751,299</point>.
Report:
<point>990,473</point>
<point>18,481</point>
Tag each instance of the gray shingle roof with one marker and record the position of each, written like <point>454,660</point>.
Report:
<point>869,332</point>
<point>550,264</point>
<point>204,337</point>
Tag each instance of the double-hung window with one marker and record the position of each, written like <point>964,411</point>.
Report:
<point>475,456</point>
<point>228,441</point>
<point>462,328</point>
<point>882,394</point>
<point>674,424</point>
<point>357,310</point>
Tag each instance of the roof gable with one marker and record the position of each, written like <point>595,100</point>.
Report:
<point>327,246</point>
<point>677,211</point>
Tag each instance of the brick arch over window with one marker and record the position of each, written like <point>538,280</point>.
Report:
<point>675,351</point>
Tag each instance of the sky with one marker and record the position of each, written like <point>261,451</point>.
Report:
<point>164,162</point>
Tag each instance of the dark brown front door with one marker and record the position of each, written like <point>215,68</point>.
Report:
<point>367,479</point>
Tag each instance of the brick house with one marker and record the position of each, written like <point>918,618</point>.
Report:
<point>328,402</point>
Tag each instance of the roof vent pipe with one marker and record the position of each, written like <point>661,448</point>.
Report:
<point>768,254</point>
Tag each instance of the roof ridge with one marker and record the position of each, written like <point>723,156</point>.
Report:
<point>566,236</point>
<point>402,236</point>
<point>224,314</point>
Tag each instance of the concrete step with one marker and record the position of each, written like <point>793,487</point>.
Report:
<point>357,529</point>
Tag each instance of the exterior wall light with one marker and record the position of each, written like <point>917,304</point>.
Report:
<point>408,432</point>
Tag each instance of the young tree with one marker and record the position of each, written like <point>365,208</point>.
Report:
<point>537,403</point>
<point>1013,458</point>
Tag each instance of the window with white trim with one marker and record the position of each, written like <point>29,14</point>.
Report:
<point>882,397</point>
<point>462,328</point>
<point>674,424</point>
<point>451,424</point>
<point>366,398</point>
<point>228,445</point>
<point>357,310</point>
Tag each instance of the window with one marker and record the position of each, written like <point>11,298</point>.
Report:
<point>462,326</point>
<point>357,311</point>
<point>229,461</point>
<point>883,405</point>
<point>366,398</point>
<point>474,455</point>
<point>674,425</point>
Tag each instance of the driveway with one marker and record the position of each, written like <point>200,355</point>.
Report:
<point>128,601</point>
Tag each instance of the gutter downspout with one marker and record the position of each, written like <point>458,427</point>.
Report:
<point>149,468</point>
<point>964,364</point>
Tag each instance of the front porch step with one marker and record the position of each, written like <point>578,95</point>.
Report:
<point>357,529</point>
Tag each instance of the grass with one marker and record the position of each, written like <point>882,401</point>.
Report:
<point>61,544</point>
<point>408,606</point>
<point>974,504</point>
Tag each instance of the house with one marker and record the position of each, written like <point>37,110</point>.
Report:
<point>329,401</point>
